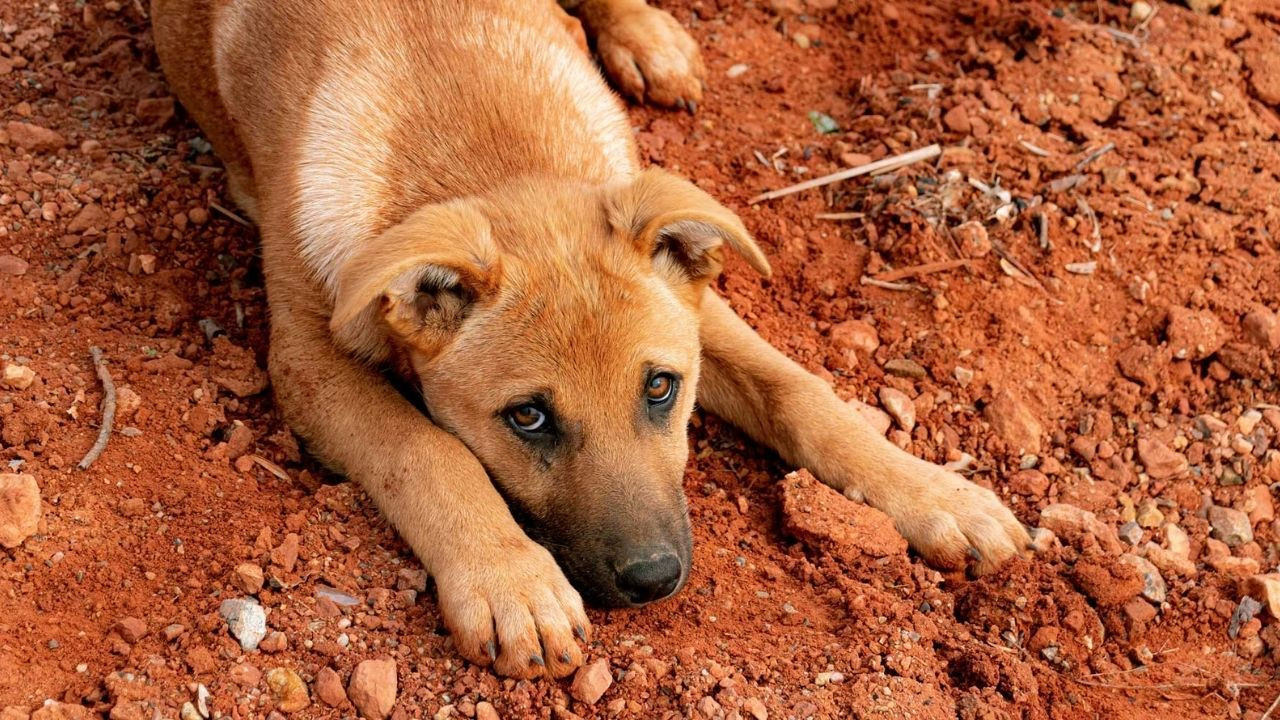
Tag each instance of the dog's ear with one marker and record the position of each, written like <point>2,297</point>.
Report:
<point>418,280</point>
<point>681,227</point>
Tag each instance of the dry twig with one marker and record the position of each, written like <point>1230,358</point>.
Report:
<point>1094,156</point>
<point>1267,715</point>
<point>885,164</point>
<point>885,285</point>
<point>840,216</point>
<point>925,269</point>
<point>108,409</point>
<point>230,214</point>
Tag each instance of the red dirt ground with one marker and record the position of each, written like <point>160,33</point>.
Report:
<point>1145,390</point>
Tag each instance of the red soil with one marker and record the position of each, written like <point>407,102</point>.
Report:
<point>1048,378</point>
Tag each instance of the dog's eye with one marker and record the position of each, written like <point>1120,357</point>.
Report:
<point>529,418</point>
<point>660,388</point>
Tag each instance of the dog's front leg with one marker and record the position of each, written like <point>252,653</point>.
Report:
<point>502,596</point>
<point>947,519</point>
<point>645,51</point>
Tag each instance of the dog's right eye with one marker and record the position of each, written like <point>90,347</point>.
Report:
<point>529,419</point>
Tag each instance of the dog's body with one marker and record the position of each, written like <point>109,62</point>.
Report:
<point>449,190</point>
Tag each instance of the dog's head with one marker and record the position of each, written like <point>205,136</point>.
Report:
<point>554,330</point>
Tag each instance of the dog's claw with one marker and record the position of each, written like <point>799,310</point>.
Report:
<point>975,554</point>
<point>492,648</point>
<point>680,103</point>
<point>693,107</point>
<point>565,657</point>
<point>537,660</point>
<point>582,634</point>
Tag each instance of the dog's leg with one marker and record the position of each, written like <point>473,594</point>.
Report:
<point>748,382</point>
<point>502,596</point>
<point>645,51</point>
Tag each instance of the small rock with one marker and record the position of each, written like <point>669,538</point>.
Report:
<point>899,407</point>
<point>486,711</point>
<point>905,368</point>
<point>1074,524</point>
<point>973,239</point>
<point>328,687</point>
<point>1153,585</point>
<point>1261,328</point>
<point>127,402</point>
<point>957,120</point>
<point>1160,460</point>
<point>826,521</point>
<point>90,217</point>
<point>247,578</point>
<point>155,112</point>
<point>287,690</point>
<point>1194,334</point>
<point>372,688</point>
<point>1131,533</point>
<point>239,442</point>
<point>1266,589</point>
<point>1139,610</point>
<point>34,138</point>
<point>246,620</point>
<point>755,708</point>
<point>286,554</point>
<point>708,707</point>
<point>244,674</point>
<point>188,712</point>
<point>1148,515</point>
<point>1014,422</point>
<point>1230,526</point>
<point>1176,540</point>
<point>274,642</point>
<point>1169,562</point>
<point>17,377</point>
<point>1258,504</point>
<point>131,629</point>
<point>13,265</point>
<point>19,509</point>
<point>1244,612</point>
<point>828,677</point>
<point>963,375</point>
<point>1107,581</point>
<point>855,335</point>
<point>1140,10</point>
<point>591,682</point>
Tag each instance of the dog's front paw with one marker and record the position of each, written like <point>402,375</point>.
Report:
<point>952,522</point>
<point>510,606</point>
<point>647,54</point>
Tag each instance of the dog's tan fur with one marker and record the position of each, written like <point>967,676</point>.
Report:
<point>450,191</point>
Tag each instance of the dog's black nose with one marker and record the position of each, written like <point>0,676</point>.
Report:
<point>651,578</point>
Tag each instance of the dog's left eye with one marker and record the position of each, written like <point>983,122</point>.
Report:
<point>660,388</point>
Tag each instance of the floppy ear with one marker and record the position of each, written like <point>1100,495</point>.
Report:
<point>681,227</point>
<point>418,281</point>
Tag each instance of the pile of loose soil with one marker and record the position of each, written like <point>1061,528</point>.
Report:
<point>1077,299</point>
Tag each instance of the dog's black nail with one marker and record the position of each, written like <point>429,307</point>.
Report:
<point>680,103</point>
<point>582,634</point>
<point>537,660</point>
<point>693,106</point>
<point>564,657</point>
<point>973,553</point>
<point>493,651</point>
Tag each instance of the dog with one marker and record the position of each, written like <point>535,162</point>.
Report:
<point>448,195</point>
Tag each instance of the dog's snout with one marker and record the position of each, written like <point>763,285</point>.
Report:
<point>649,578</point>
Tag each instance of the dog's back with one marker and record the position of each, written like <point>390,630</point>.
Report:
<point>386,105</point>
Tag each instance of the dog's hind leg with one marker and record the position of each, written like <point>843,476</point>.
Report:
<point>947,519</point>
<point>503,597</point>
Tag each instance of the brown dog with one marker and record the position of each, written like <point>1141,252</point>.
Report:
<point>449,190</point>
